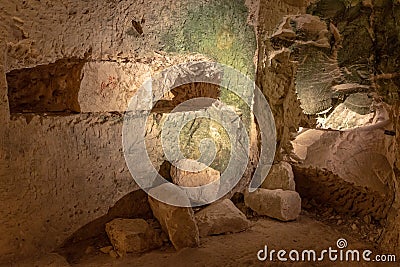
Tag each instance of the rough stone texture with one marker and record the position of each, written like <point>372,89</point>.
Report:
<point>205,31</point>
<point>387,13</point>
<point>354,170</point>
<point>111,37</point>
<point>318,49</point>
<point>132,235</point>
<point>386,17</point>
<point>108,86</point>
<point>106,250</point>
<point>47,88</point>
<point>89,150</point>
<point>179,223</point>
<point>133,205</point>
<point>356,156</point>
<point>310,40</point>
<point>278,204</point>
<point>387,80</point>
<point>343,118</point>
<point>351,167</point>
<point>368,55</point>
<point>353,54</point>
<point>314,91</point>
<point>87,173</point>
<point>372,24</point>
<point>72,85</point>
<point>181,175</point>
<point>191,134</point>
<point>220,218</point>
<point>343,196</point>
<point>280,176</point>
<point>87,176</point>
<point>275,77</point>
<point>391,237</point>
<point>75,161</point>
<point>359,103</point>
<point>353,21</point>
<point>323,46</point>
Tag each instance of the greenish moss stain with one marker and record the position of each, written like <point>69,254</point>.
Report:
<point>363,53</point>
<point>219,30</point>
<point>199,129</point>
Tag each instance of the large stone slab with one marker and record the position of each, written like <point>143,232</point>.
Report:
<point>177,222</point>
<point>182,175</point>
<point>278,204</point>
<point>110,85</point>
<point>280,176</point>
<point>221,217</point>
<point>132,235</point>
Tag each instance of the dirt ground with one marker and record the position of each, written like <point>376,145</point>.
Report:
<point>241,249</point>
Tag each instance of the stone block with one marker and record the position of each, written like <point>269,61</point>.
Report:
<point>132,235</point>
<point>177,222</point>
<point>221,217</point>
<point>278,204</point>
<point>280,176</point>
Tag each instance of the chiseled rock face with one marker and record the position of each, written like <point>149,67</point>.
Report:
<point>132,235</point>
<point>310,36</point>
<point>76,160</point>
<point>181,175</point>
<point>278,204</point>
<point>280,176</point>
<point>177,222</point>
<point>221,217</point>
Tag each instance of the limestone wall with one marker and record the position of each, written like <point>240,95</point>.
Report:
<point>391,237</point>
<point>276,72</point>
<point>60,170</point>
<point>368,54</point>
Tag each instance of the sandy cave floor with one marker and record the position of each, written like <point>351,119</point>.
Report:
<point>241,249</point>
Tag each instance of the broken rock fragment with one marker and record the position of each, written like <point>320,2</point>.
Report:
<point>280,176</point>
<point>177,222</point>
<point>183,174</point>
<point>132,235</point>
<point>106,250</point>
<point>221,217</point>
<point>277,204</point>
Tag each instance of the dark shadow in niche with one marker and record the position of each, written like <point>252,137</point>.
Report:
<point>93,235</point>
<point>51,88</point>
<point>180,94</point>
<point>165,171</point>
